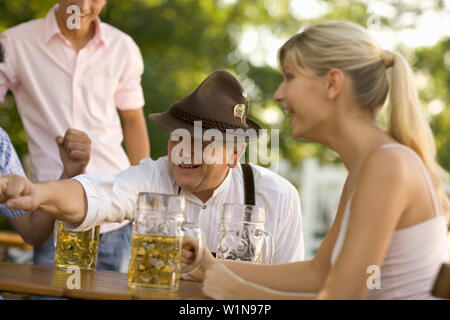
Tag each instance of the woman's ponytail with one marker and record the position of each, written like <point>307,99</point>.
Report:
<point>407,123</point>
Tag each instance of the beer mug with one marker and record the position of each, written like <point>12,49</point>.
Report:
<point>76,248</point>
<point>158,231</point>
<point>242,236</point>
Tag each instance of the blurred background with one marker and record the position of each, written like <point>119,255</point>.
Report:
<point>182,41</point>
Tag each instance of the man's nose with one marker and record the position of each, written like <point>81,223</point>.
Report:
<point>84,5</point>
<point>186,148</point>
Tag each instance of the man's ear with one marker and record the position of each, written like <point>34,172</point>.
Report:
<point>335,79</point>
<point>238,154</point>
<point>235,161</point>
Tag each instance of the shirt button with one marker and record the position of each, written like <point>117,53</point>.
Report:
<point>204,207</point>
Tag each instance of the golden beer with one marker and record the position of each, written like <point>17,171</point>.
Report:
<point>155,262</point>
<point>76,248</point>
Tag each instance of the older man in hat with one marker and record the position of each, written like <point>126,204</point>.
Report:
<point>220,105</point>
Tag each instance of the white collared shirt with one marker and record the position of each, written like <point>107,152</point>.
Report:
<point>113,199</point>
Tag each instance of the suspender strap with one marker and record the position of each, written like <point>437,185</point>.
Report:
<point>249,184</point>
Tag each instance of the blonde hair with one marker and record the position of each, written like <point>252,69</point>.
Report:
<point>350,48</point>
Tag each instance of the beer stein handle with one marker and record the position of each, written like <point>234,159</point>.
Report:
<point>189,227</point>
<point>269,245</point>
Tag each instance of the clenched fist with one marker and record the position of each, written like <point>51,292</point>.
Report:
<point>18,193</point>
<point>75,151</point>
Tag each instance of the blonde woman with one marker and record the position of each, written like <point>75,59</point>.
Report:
<point>392,215</point>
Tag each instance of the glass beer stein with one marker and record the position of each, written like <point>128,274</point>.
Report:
<point>242,236</point>
<point>158,231</point>
<point>76,248</point>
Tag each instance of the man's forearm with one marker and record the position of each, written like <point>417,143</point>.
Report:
<point>64,199</point>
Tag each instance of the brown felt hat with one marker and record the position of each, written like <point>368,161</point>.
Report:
<point>219,102</point>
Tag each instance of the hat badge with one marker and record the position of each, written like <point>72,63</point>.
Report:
<point>239,111</point>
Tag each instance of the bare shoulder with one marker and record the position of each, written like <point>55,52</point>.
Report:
<point>388,184</point>
<point>394,165</point>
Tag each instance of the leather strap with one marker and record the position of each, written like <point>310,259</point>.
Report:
<point>249,184</point>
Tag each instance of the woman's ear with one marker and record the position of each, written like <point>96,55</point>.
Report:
<point>335,79</point>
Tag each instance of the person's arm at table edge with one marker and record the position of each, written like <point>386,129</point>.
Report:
<point>310,274</point>
<point>293,259</point>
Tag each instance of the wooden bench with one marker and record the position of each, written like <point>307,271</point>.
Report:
<point>13,239</point>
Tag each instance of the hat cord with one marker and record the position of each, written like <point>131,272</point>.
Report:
<point>206,122</point>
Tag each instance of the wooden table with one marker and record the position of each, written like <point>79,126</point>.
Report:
<point>98,285</point>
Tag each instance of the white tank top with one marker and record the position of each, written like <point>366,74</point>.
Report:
<point>415,253</point>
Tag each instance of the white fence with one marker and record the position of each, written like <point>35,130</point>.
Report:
<point>320,188</point>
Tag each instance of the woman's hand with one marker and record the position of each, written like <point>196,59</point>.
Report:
<point>190,252</point>
<point>222,284</point>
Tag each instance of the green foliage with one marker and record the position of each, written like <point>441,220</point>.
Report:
<point>183,41</point>
<point>436,61</point>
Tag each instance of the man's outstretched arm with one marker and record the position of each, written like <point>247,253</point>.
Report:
<point>74,148</point>
<point>64,199</point>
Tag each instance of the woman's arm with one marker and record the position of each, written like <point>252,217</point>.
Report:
<point>221,283</point>
<point>280,276</point>
<point>302,276</point>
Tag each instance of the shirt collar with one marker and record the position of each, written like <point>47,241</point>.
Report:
<point>51,28</point>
